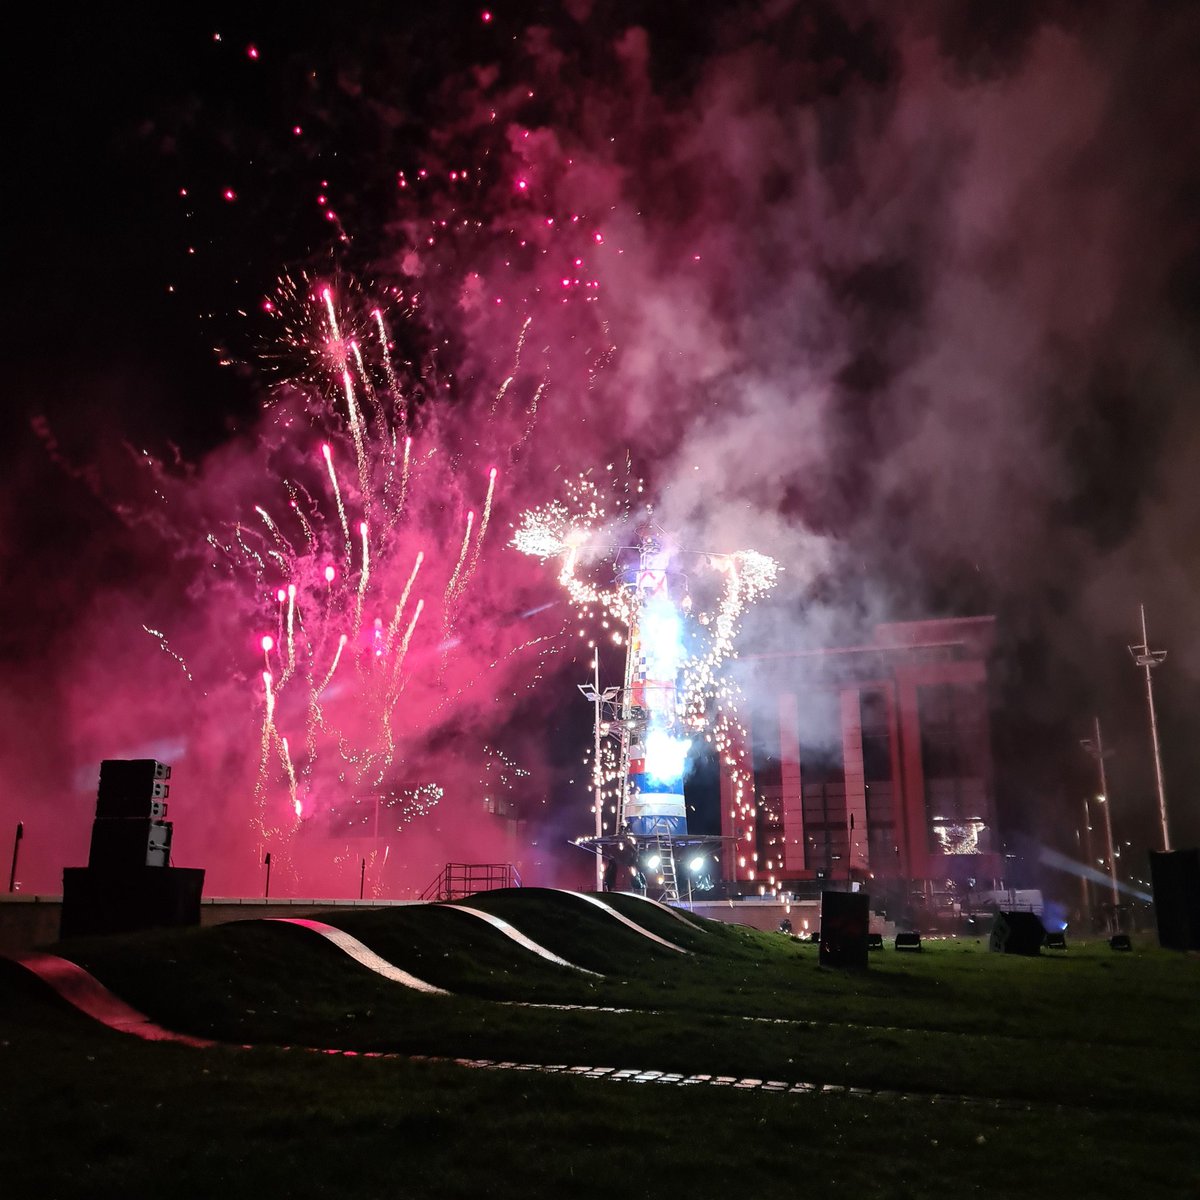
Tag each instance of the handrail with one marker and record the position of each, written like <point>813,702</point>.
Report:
<point>458,880</point>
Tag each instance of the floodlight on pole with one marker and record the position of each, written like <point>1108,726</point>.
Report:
<point>1112,862</point>
<point>1087,858</point>
<point>1148,659</point>
<point>593,695</point>
<point>1095,747</point>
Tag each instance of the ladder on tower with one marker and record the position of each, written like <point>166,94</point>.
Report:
<point>666,861</point>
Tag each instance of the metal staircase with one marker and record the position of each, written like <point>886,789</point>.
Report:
<point>459,880</point>
<point>661,841</point>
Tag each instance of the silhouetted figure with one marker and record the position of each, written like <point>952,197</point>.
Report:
<point>610,874</point>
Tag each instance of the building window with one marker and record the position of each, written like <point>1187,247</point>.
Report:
<point>876,737</point>
<point>954,758</point>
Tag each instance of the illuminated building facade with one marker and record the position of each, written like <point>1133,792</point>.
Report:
<point>873,762</point>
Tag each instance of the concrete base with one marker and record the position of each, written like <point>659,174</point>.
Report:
<point>805,915</point>
<point>27,922</point>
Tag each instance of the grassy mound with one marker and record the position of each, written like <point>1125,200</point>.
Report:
<point>1100,1047</point>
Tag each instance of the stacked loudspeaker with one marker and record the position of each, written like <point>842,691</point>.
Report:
<point>130,829</point>
<point>1176,878</point>
<point>1017,933</point>
<point>845,920</point>
<point>129,883</point>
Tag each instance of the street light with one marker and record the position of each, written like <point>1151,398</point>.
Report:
<point>1095,747</point>
<point>593,695</point>
<point>1112,862</point>
<point>1144,657</point>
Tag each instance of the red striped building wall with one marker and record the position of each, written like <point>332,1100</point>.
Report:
<point>873,761</point>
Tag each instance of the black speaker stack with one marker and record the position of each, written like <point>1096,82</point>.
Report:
<point>845,917</point>
<point>1017,933</point>
<point>131,829</point>
<point>129,882</point>
<point>1175,875</point>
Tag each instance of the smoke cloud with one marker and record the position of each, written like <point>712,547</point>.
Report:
<point>904,298</point>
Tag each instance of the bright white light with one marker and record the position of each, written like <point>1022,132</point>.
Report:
<point>696,863</point>
<point>653,862</point>
<point>665,755</point>
<point>661,629</point>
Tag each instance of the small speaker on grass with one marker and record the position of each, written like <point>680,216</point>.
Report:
<point>844,920</point>
<point>1017,933</point>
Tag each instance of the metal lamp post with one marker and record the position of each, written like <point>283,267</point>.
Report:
<point>1086,853</point>
<point>1148,659</point>
<point>1095,747</point>
<point>597,698</point>
<point>12,875</point>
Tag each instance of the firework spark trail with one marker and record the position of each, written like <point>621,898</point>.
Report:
<point>404,470</point>
<point>294,492</point>
<point>161,638</point>
<point>285,754</point>
<point>270,524</point>
<point>362,371</point>
<point>337,350</point>
<point>360,449</point>
<point>291,628</point>
<point>337,658</point>
<point>368,387</point>
<point>364,578</point>
<point>389,478</point>
<point>387,358</point>
<point>483,523</point>
<point>747,576</point>
<point>327,296</point>
<point>337,492</point>
<point>247,551</point>
<point>499,396</point>
<point>552,643</point>
<point>401,654</point>
<point>532,410</point>
<point>452,586</point>
<point>268,730</point>
<point>391,633</point>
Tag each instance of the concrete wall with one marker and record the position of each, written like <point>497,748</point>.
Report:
<point>766,914</point>
<point>27,922</point>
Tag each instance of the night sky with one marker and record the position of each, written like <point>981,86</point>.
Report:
<point>905,296</point>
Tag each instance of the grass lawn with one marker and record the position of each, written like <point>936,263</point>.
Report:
<point>1096,1055</point>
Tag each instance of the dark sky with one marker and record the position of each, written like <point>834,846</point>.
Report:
<point>908,299</point>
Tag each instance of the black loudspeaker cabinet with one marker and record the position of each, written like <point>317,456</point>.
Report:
<point>1017,933</point>
<point>130,845</point>
<point>1175,876</point>
<point>845,917</point>
<point>97,901</point>
<point>132,788</point>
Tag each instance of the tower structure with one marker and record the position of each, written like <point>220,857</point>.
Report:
<point>654,742</point>
<point>672,689</point>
